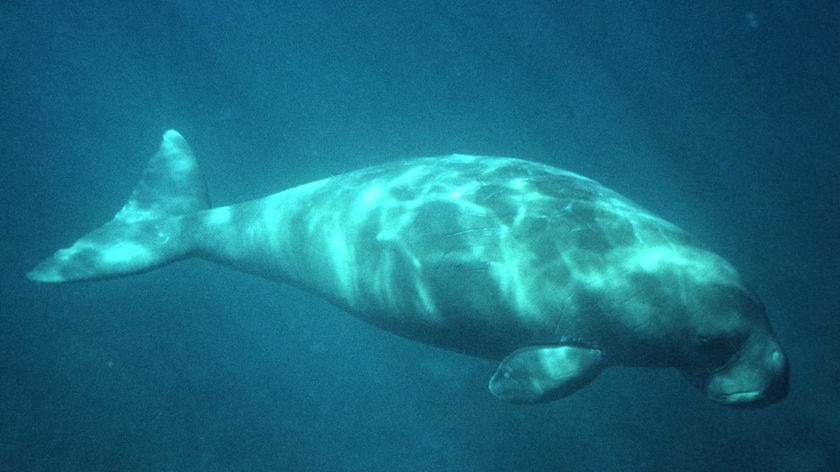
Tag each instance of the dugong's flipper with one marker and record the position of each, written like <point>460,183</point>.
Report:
<point>146,232</point>
<point>536,374</point>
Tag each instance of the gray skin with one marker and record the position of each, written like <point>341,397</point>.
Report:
<point>547,271</point>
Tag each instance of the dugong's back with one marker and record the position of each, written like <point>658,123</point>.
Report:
<point>477,254</point>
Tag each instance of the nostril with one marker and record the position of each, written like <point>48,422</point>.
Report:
<point>781,383</point>
<point>778,358</point>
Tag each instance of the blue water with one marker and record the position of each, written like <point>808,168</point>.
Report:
<point>723,117</point>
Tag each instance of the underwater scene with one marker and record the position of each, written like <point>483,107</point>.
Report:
<point>416,236</point>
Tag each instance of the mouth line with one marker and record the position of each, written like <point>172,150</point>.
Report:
<point>746,396</point>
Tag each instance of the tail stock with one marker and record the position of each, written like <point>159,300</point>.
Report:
<point>146,232</point>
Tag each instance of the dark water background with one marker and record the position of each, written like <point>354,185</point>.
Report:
<point>723,117</point>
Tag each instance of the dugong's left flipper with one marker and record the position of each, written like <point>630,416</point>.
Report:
<point>536,374</point>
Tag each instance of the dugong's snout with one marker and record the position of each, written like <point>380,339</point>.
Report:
<point>755,376</point>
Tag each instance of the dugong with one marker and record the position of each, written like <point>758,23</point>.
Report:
<point>546,271</point>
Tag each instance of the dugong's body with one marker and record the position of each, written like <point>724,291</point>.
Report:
<point>545,270</point>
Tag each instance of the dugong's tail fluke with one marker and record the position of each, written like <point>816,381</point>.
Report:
<point>146,232</point>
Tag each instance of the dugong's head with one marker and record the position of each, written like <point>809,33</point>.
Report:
<point>757,374</point>
<point>733,354</point>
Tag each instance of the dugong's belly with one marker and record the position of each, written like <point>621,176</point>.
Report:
<point>476,254</point>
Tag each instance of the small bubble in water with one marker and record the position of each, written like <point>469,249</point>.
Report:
<point>752,19</point>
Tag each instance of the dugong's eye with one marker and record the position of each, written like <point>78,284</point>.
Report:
<point>712,343</point>
<point>713,350</point>
<point>706,340</point>
<point>718,344</point>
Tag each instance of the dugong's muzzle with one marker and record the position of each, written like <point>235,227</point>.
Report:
<point>756,375</point>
